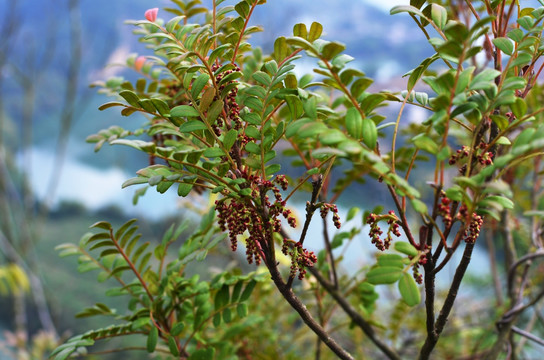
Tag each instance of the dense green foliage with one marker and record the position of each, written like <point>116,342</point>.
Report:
<point>218,113</point>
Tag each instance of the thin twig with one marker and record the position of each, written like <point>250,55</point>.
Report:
<point>528,335</point>
<point>354,315</point>
<point>431,341</point>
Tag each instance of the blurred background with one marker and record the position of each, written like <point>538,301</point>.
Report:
<point>52,184</point>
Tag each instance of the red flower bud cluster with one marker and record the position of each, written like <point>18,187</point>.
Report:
<point>375,230</point>
<point>484,157</point>
<point>444,209</point>
<point>418,277</point>
<point>325,208</point>
<point>460,154</point>
<point>474,228</point>
<point>231,107</point>
<point>300,260</point>
<point>238,215</point>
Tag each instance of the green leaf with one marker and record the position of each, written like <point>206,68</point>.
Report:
<point>393,260</point>
<point>110,104</point>
<point>370,133</point>
<point>227,315</point>
<point>519,107</point>
<point>352,212</point>
<point>383,275</point>
<point>248,290</point>
<point>311,129</point>
<point>221,297</point>
<point>172,346</point>
<point>213,112</point>
<point>281,50</point>
<point>242,310</point>
<point>184,111</point>
<point>455,193</point>
<point>101,225</point>
<point>315,31</point>
<point>212,152</point>
<point>516,35</point>
<point>439,15</point>
<point>192,125</point>
<point>184,189</point>
<point>484,80</point>
<point>177,329</point>
<point>406,8</point>
<point>300,30</point>
<point>295,106</point>
<point>152,339</point>
<point>504,44</point>
<point>419,206</point>
<point>242,8</point>
<point>272,169</point>
<point>230,138</point>
<point>409,290</point>
<point>203,354</point>
<point>62,355</point>
<point>130,97</point>
<point>332,49</point>
<point>503,140</point>
<point>198,85</point>
<point>262,78</point>
<point>405,248</point>
<point>504,202</point>
<point>425,143</point>
<point>354,123</point>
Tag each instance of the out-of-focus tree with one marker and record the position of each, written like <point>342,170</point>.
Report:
<point>25,61</point>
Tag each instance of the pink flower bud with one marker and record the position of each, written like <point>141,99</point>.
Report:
<point>151,14</point>
<point>139,63</point>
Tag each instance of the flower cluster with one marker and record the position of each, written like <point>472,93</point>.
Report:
<point>324,210</point>
<point>300,259</point>
<point>375,230</point>
<point>418,277</point>
<point>238,215</point>
<point>460,154</point>
<point>484,157</point>
<point>473,230</point>
<point>231,106</point>
<point>444,209</point>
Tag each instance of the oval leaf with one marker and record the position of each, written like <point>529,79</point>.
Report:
<point>409,290</point>
<point>384,275</point>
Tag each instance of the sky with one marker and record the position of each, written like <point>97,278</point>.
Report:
<point>386,5</point>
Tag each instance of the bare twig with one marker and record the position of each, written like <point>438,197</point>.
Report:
<point>431,341</point>
<point>528,335</point>
<point>354,315</point>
